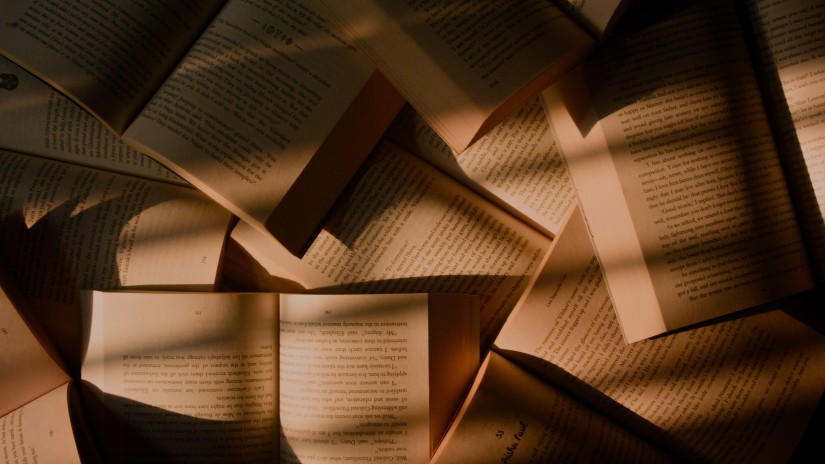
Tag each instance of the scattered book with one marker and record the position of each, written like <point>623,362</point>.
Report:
<point>671,150</point>
<point>255,104</point>
<point>465,67</point>
<point>239,377</point>
<point>740,390</point>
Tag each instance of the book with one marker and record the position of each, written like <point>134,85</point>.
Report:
<point>515,417</point>
<point>360,375</point>
<point>516,165</point>
<point>671,148</point>
<point>466,66</point>
<point>38,409</point>
<point>402,226</point>
<point>739,390</point>
<point>240,377</point>
<point>256,104</point>
<point>65,227</point>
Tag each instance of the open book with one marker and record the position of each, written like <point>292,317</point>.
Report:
<point>467,66</point>
<point>240,377</point>
<point>64,227</point>
<point>678,161</point>
<point>404,226</point>
<point>741,390</point>
<point>256,103</point>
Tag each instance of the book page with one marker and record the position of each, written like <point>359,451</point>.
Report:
<point>29,366</point>
<point>184,377</point>
<point>65,227</point>
<point>406,227</point>
<point>791,38</point>
<point>516,165</point>
<point>39,120</point>
<point>251,105</point>
<point>355,377</point>
<point>597,16</point>
<point>109,59</point>
<point>40,431</point>
<point>513,417</point>
<point>741,390</point>
<point>465,66</point>
<point>677,174</point>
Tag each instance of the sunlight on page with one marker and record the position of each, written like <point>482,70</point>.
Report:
<point>195,377</point>
<point>516,165</point>
<point>352,382</point>
<point>191,377</point>
<point>789,37</point>
<point>803,83</point>
<point>804,87</point>
<point>142,252</point>
<point>137,224</point>
<point>392,33</point>
<point>67,227</point>
<point>100,69</point>
<point>269,115</point>
<point>678,175</point>
<point>742,388</point>
<point>465,66</point>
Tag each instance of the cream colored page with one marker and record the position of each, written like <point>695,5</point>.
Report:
<point>516,165</point>
<point>688,149</point>
<point>40,431</point>
<point>405,227</point>
<point>109,58</point>
<point>39,120</point>
<point>695,390</point>
<point>251,103</point>
<point>597,16</point>
<point>27,369</point>
<point>587,159</point>
<point>194,374</point>
<point>513,417</point>
<point>354,378</point>
<point>456,62</point>
<point>67,227</point>
<point>791,37</point>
